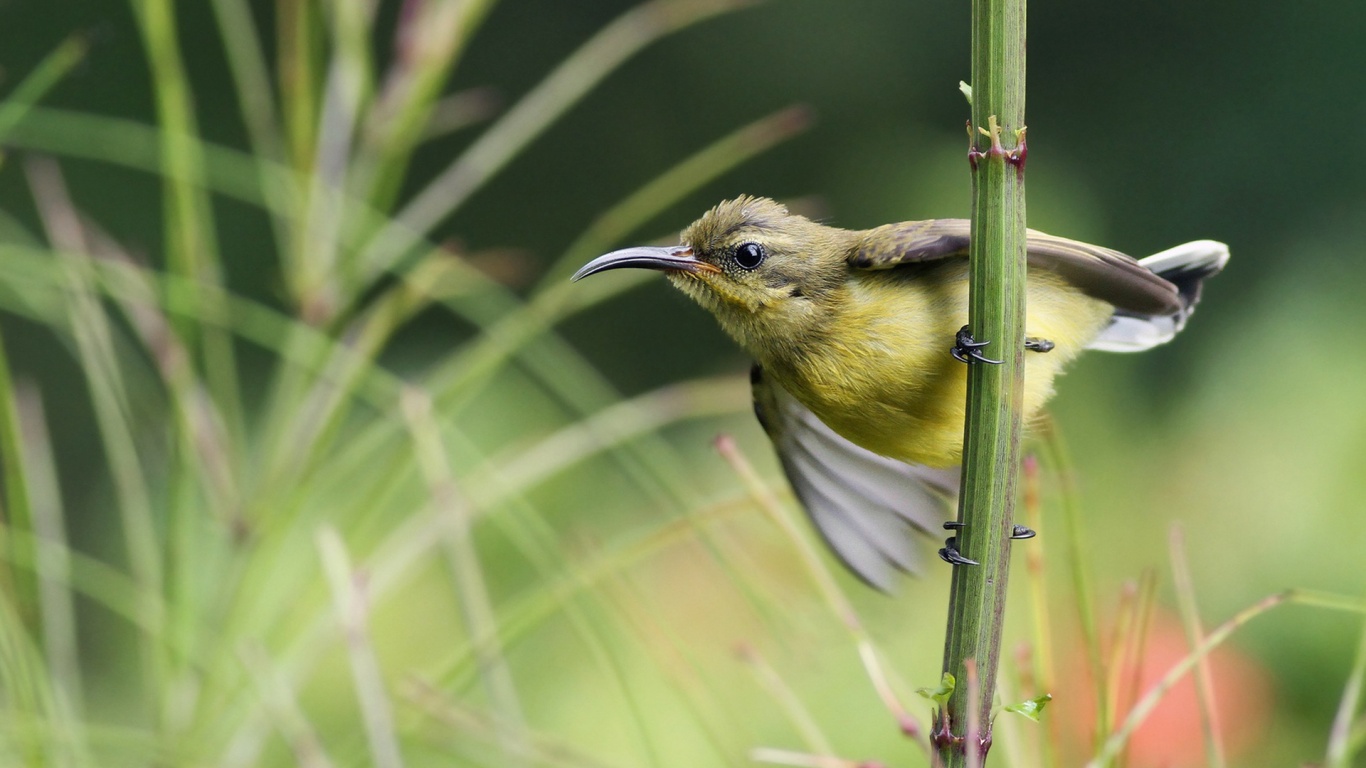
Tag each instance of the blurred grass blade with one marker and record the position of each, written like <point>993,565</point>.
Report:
<point>880,677</point>
<point>189,228</point>
<point>129,144</point>
<point>578,385</point>
<point>30,269</point>
<point>703,704</point>
<point>297,45</point>
<point>301,425</point>
<point>251,79</point>
<point>203,435</point>
<point>191,237</point>
<point>52,565</point>
<point>51,613</point>
<point>207,477</point>
<point>113,410</point>
<point>352,602</point>
<point>787,700</point>
<point>463,561</point>
<point>1328,600</point>
<point>431,36</point>
<point>28,697</point>
<point>533,538</point>
<point>545,103</point>
<point>767,500</point>
<point>536,606</point>
<point>94,580</point>
<point>1137,645</point>
<point>620,425</point>
<point>1083,595</point>
<point>18,529</point>
<point>1357,740</point>
<point>468,725</point>
<point>1042,668</point>
<point>620,429</point>
<point>1204,681</point>
<point>202,442</point>
<point>526,528</point>
<point>50,71</point>
<point>1342,745</point>
<point>406,549</point>
<point>1126,616</point>
<point>458,111</point>
<point>313,275</point>
<point>284,709</point>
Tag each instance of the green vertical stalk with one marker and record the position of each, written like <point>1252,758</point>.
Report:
<point>991,450</point>
<point>296,25</point>
<point>191,238</point>
<point>16,516</point>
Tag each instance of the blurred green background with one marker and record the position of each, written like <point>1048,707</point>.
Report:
<point>615,553</point>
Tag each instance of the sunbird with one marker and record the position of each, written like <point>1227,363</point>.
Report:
<point>859,340</point>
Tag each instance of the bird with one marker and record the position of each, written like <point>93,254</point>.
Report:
<point>859,338</point>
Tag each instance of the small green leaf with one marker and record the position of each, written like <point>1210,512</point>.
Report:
<point>967,91</point>
<point>1031,708</point>
<point>942,693</point>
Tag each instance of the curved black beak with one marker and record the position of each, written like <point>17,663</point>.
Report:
<point>674,258</point>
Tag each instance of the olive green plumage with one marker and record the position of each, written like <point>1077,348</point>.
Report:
<point>851,330</point>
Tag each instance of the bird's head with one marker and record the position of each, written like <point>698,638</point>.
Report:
<point>767,275</point>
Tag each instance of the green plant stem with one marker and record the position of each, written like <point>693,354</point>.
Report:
<point>16,517</point>
<point>50,71</point>
<point>297,53</point>
<point>191,239</point>
<point>991,451</point>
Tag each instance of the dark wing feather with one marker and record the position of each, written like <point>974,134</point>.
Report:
<point>1099,272</point>
<point>865,506</point>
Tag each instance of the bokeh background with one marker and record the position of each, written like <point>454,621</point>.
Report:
<point>496,530</point>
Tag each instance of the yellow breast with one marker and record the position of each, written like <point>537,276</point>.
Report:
<point>884,378</point>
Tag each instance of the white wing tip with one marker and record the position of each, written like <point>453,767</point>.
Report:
<point>1210,255</point>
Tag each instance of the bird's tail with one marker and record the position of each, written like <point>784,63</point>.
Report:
<point>1186,266</point>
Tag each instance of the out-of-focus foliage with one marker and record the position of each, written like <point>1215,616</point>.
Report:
<point>327,606</point>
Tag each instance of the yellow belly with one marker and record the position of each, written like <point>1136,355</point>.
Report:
<point>887,382</point>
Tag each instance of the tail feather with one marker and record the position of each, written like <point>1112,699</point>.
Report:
<point>1186,266</point>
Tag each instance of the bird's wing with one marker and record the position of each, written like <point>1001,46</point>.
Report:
<point>865,506</point>
<point>1099,272</point>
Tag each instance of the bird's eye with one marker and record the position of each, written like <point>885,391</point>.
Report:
<point>749,255</point>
